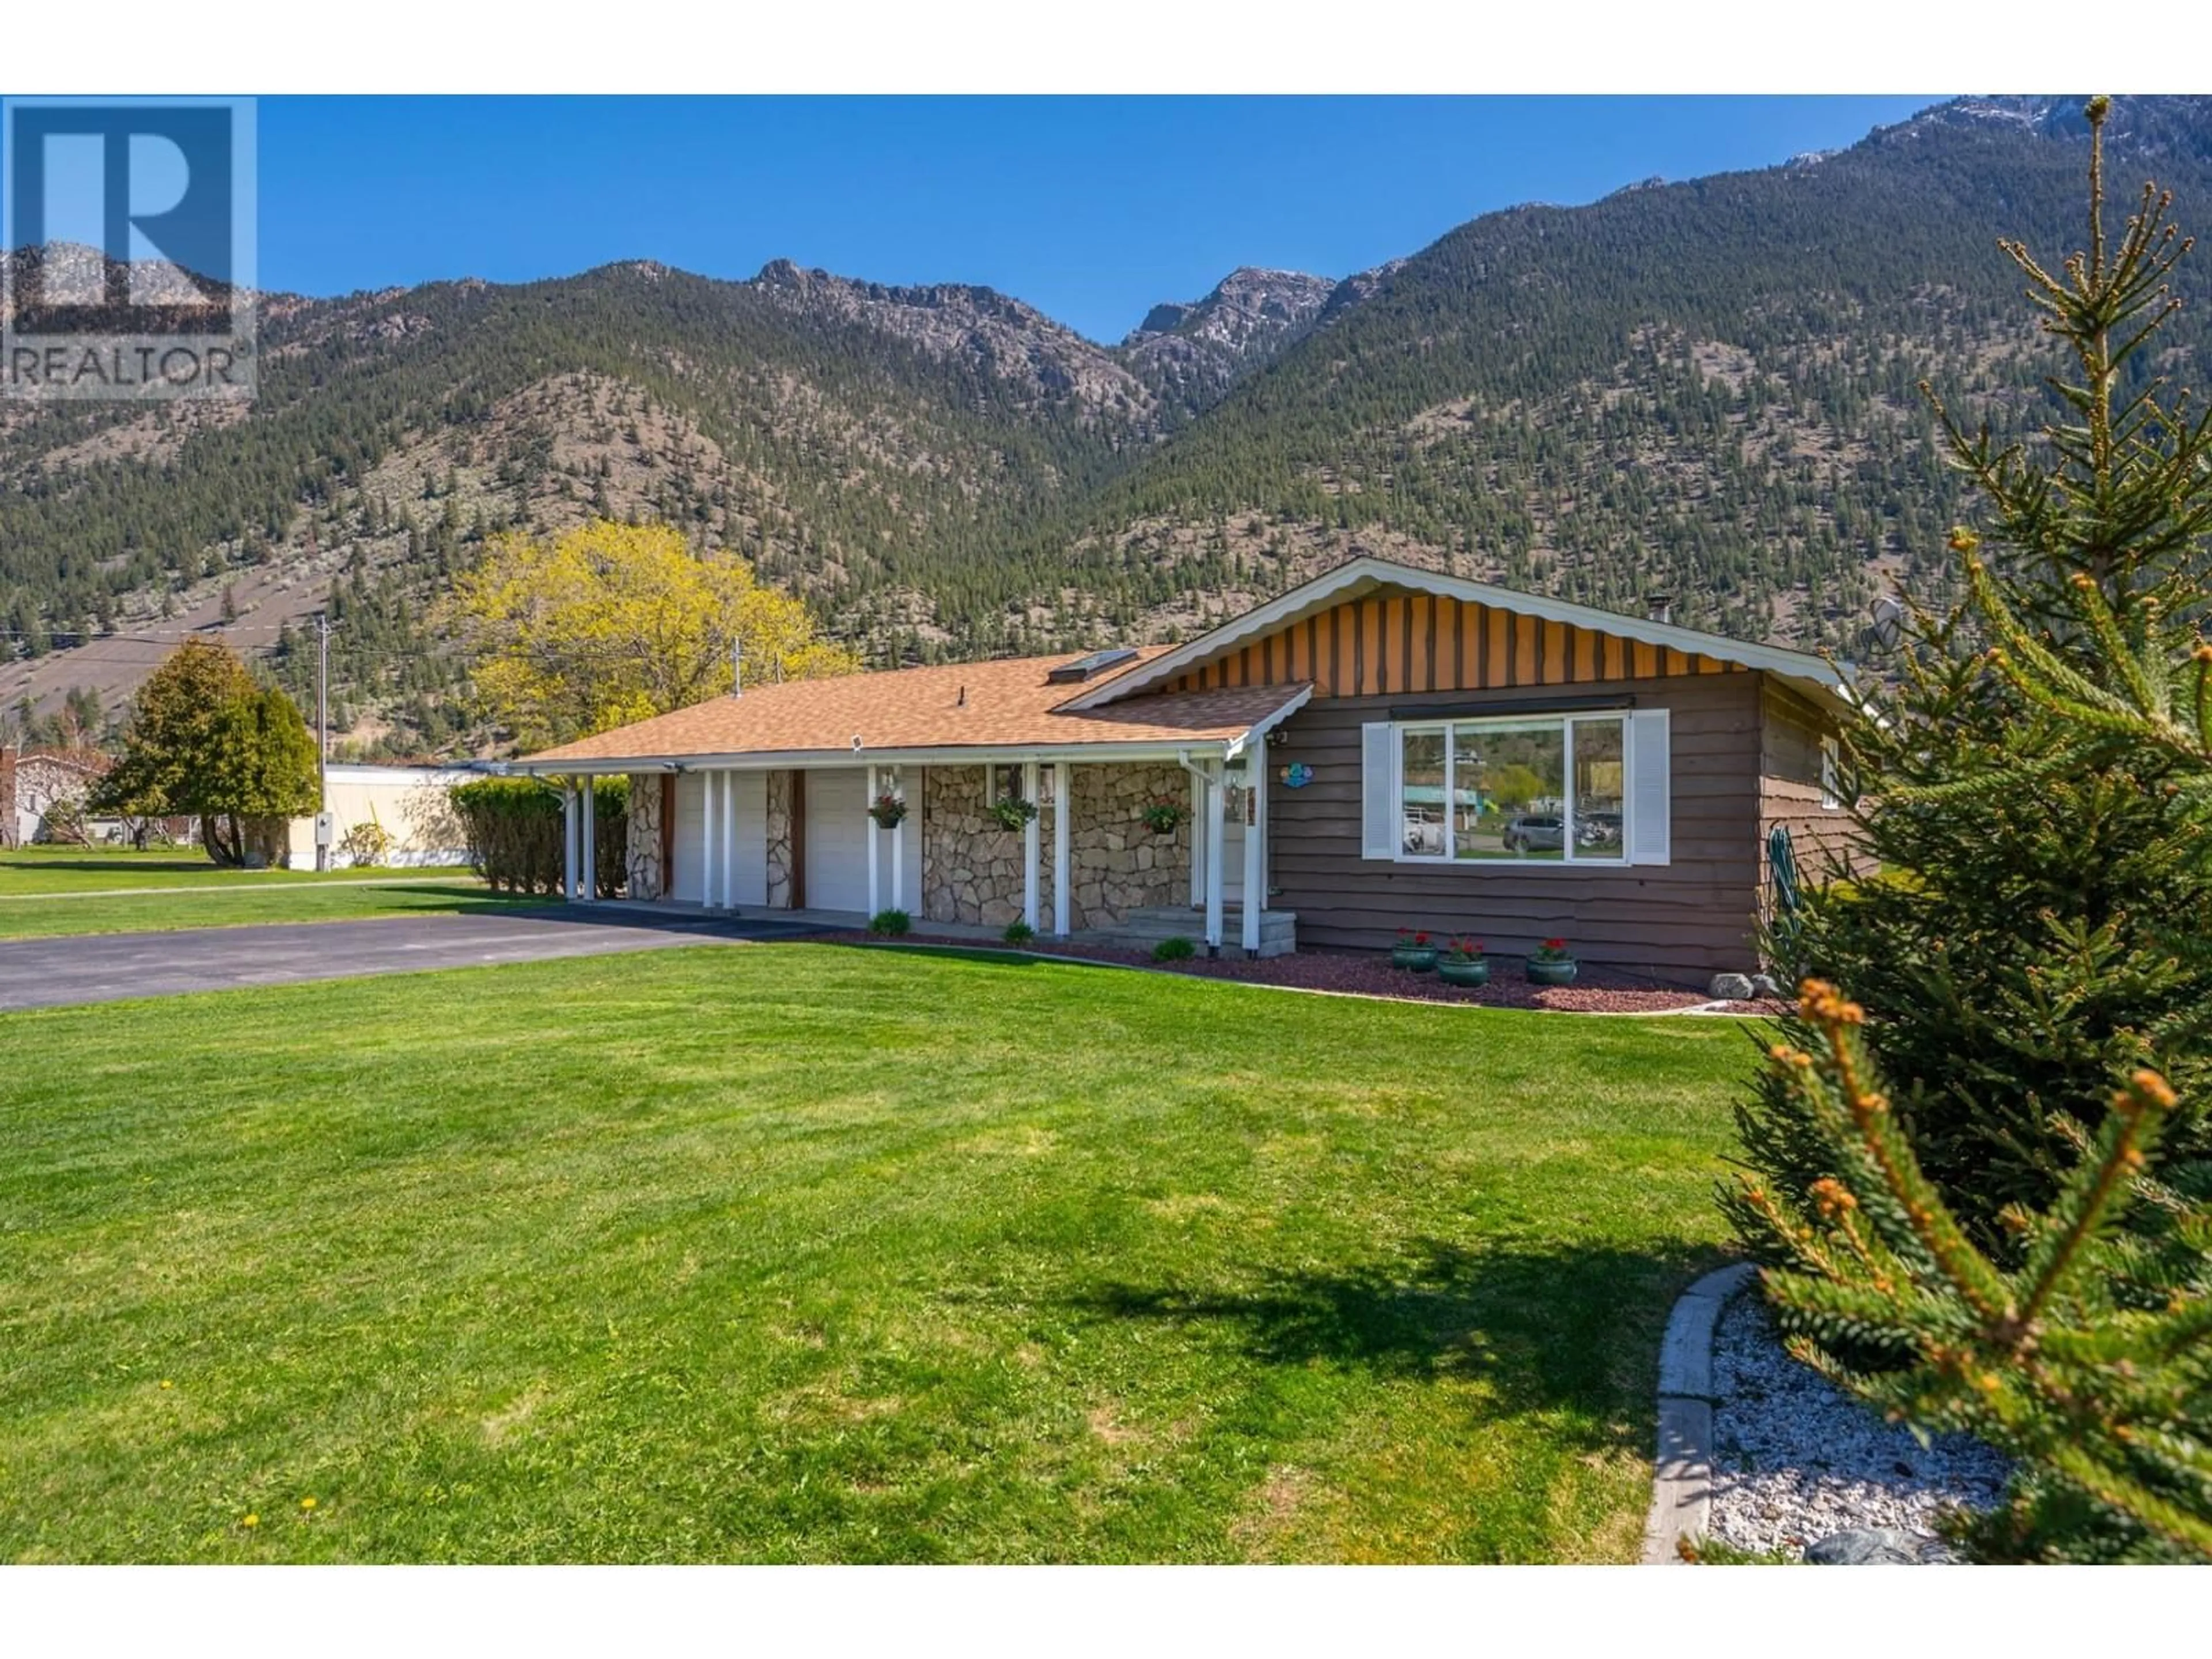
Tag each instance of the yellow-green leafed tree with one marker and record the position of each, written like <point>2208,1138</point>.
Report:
<point>611,622</point>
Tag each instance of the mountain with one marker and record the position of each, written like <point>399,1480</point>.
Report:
<point>1192,353</point>
<point>1706,386</point>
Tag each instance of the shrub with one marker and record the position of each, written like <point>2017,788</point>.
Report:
<point>1013,813</point>
<point>63,822</point>
<point>889,924</point>
<point>2087,1362</point>
<point>367,845</point>
<point>1177,949</point>
<point>514,831</point>
<point>1018,932</point>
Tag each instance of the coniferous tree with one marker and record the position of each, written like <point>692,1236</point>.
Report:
<point>2037,788</point>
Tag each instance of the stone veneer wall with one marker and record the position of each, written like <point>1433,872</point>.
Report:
<point>779,841</point>
<point>646,875</point>
<point>971,869</point>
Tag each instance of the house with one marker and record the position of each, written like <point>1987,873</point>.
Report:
<point>1383,747</point>
<point>34,782</point>
<point>407,803</point>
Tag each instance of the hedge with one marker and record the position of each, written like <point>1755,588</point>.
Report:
<point>513,827</point>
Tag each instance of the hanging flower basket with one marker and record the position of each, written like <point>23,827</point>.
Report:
<point>888,810</point>
<point>1164,818</point>
<point>1013,813</point>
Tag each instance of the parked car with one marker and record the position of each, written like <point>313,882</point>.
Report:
<point>1527,834</point>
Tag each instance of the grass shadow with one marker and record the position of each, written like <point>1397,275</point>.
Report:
<point>1570,1330</point>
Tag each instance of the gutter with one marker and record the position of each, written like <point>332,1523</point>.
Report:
<point>762,761</point>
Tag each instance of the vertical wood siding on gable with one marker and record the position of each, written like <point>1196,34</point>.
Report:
<point>1399,644</point>
<point>1681,922</point>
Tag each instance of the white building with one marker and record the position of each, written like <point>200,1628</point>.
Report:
<point>407,802</point>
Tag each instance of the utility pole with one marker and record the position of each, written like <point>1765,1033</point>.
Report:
<point>322,740</point>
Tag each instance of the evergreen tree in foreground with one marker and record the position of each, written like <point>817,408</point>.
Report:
<point>2091,1363</point>
<point>2036,785</point>
<point>2069,1324</point>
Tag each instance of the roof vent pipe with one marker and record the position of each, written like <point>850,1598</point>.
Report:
<point>1660,607</point>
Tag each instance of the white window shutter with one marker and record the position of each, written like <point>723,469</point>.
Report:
<point>1378,807</point>
<point>1651,787</point>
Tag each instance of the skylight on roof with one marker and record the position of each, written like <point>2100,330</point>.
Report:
<point>1082,668</point>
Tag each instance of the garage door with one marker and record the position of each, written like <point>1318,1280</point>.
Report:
<point>690,813</point>
<point>747,861</point>
<point>836,839</point>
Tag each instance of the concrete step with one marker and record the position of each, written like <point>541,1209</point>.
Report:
<point>1141,929</point>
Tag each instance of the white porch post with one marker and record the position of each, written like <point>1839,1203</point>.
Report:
<point>898,844</point>
<point>730,841</point>
<point>875,851</point>
<point>569,830</point>
<point>1197,840</point>
<point>1063,805</point>
<point>1030,846</point>
<point>709,790</point>
<point>1216,824</point>
<point>589,886</point>
<point>1255,880</point>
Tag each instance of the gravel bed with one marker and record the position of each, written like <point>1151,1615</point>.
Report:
<point>1596,990</point>
<point>1796,1458</point>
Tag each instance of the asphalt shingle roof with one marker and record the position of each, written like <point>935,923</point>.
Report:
<point>1007,703</point>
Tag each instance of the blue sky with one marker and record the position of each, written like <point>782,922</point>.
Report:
<point>1091,209</point>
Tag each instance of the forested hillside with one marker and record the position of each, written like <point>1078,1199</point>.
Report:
<point>1706,388</point>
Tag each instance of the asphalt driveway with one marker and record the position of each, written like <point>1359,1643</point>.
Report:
<point>48,973</point>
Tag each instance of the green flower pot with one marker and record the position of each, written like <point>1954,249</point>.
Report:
<point>1469,973</point>
<point>1551,973</point>
<point>1416,959</point>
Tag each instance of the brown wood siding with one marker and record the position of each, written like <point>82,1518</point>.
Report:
<point>1825,840</point>
<point>1396,644</point>
<point>1681,922</point>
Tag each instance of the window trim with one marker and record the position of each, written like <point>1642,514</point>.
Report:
<point>1568,719</point>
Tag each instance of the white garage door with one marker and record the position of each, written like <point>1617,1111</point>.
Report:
<point>836,839</point>
<point>751,870</point>
<point>691,805</point>
<point>750,863</point>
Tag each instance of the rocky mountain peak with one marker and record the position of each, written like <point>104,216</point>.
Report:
<point>1192,351</point>
<point>1043,362</point>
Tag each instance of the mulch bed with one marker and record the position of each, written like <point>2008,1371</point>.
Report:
<point>1355,973</point>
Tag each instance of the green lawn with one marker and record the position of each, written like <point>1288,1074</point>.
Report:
<point>48,892</point>
<point>803,1253</point>
<point>231,907</point>
<point>32,870</point>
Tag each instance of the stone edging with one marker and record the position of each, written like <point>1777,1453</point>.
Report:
<point>1710,1010</point>
<point>1682,1482</point>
